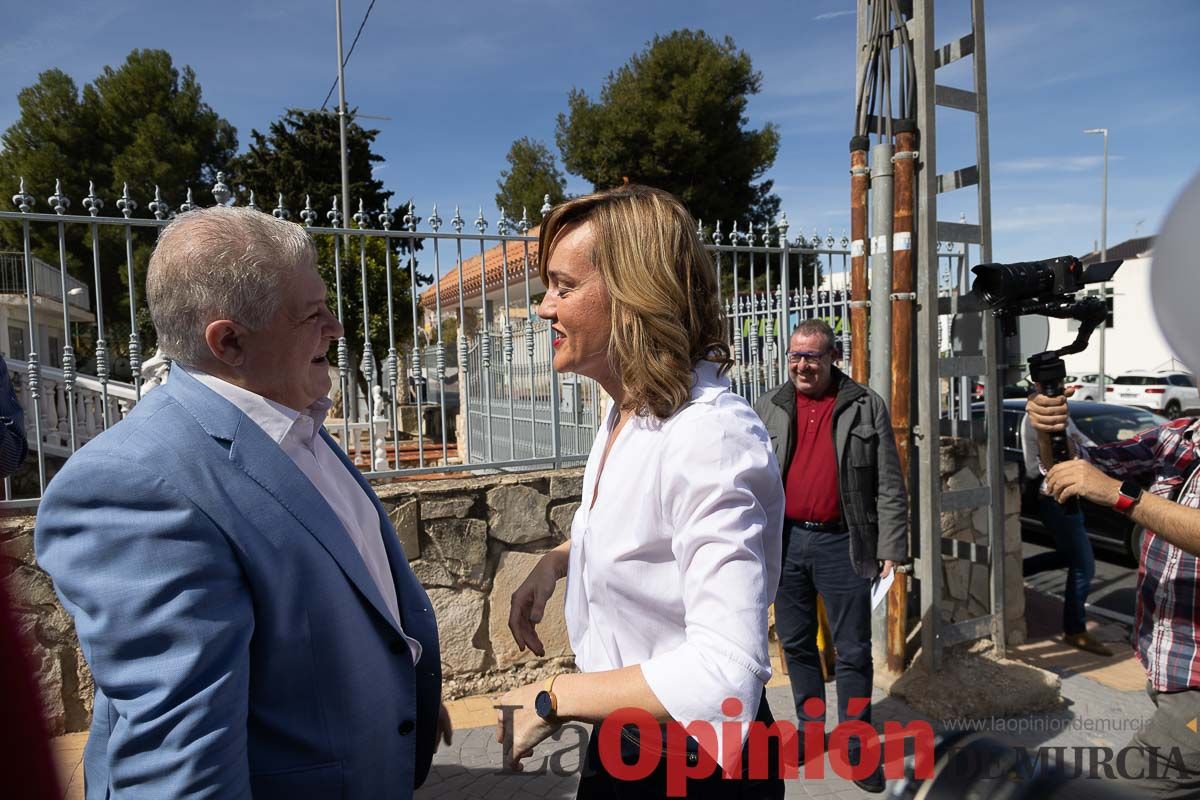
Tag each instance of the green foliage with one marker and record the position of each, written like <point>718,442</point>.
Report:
<point>144,123</point>
<point>532,174</point>
<point>675,117</point>
<point>349,253</point>
<point>300,155</point>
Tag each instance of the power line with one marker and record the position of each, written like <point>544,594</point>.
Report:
<point>346,61</point>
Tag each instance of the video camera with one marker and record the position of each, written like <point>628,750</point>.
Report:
<point>1047,288</point>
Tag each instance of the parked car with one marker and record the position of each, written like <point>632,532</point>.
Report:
<point>1087,386</point>
<point>1102,423</point>
<point>1169,391</point>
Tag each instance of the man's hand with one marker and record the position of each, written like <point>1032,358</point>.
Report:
<point>1048,414</point>
<point>524,729</point>
<point>445,728</point>
<point>886,569</point>
<point>1080,479</point>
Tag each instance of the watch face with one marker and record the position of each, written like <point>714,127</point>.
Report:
<point>542,705</point>
<point>1131,489</point>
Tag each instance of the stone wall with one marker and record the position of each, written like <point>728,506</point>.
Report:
<point>965,585</point>
<point>471,543</point>
<point>62,673</point>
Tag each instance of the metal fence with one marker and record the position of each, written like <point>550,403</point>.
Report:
<point>462,379</point>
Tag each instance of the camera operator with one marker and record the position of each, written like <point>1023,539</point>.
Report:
<point>1167,631</point>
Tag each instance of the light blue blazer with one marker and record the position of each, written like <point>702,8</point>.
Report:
<point>238,644</point>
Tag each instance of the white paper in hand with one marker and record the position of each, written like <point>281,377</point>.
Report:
<point>879,588</point>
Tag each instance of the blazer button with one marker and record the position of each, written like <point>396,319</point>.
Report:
<point>406,727</point>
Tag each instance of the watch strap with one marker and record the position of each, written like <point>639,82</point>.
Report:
<point>1127,496</point>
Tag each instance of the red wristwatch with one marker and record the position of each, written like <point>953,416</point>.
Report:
<point>1128,495</point>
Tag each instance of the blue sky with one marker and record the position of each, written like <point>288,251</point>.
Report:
<point>461,80</point>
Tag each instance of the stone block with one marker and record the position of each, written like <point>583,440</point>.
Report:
<point>453,553</point>
<point>29,587</point>
<point>511,572</point>
<point>459,617</point>
<point>1014,591</point>
<point>404,519</point>
<point>979,590</point>
<point>439,506</point>
<point>1012,537</point>
<point>86,688</point>
<point>958,574</point>
<point>965,478</point>
<point>47,671</point>
<point>566,487</point>
<point>518,514</point>
<point>18,548</point>
<point>16,525</point>
<point>561,518</point>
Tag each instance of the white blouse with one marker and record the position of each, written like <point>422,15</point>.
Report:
<point>675,565</point>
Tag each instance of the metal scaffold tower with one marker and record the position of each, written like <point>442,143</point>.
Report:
<point>900,241</point>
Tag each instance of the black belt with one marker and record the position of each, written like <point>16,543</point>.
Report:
<point>838,526</point>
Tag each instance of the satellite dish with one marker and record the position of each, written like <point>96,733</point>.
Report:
<point>1033,335</point>
<point>1174,278</point>
<point>966,334</point>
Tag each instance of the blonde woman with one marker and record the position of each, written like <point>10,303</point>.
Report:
<point>674,555</point>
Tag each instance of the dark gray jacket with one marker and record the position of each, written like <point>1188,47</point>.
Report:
<point>873,499</point>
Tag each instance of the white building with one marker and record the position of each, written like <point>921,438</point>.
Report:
<point>1134,340</point>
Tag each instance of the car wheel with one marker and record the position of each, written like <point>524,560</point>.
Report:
<point>1133,545</point>
<point>1172,410</point>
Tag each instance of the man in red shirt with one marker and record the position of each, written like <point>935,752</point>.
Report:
<point>846,520</point>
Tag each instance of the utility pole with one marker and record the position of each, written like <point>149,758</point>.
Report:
<point>1102,380</point>
<point>341,73</point>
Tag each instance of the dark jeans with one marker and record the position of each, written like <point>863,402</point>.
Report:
<point>597,784</point>
<point>819,563</point>
<point>1072,550</point>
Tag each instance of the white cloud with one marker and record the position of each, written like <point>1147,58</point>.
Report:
<point>833,15</point>
<point>1056,216</point>
<point>1054,164</point>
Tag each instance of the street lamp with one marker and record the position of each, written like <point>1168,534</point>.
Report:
<point>74,291</point>
<point>1102,380</point>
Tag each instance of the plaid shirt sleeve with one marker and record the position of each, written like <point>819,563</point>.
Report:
<point>1137,456</point>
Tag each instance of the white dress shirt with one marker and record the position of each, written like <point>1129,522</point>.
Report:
<point>298,434</point>
<point>675,565</point>
<point>1032,454</point>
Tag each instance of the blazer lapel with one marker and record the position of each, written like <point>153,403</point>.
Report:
<point>267,465</point>
<point>402,575</point>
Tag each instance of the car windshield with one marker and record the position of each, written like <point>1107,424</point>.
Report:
<point>1115,425</point>
<point>1140,380</point>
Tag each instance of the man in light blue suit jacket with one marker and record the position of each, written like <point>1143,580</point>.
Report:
<point>242,600</point>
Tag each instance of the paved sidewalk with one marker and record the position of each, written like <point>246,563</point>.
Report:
<point>1103,697</point>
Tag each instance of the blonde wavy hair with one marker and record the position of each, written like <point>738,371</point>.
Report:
<point>665,311</point>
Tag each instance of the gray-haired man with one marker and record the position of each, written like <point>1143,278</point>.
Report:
<point>241,597</point>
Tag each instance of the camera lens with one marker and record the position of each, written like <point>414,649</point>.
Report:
<point>996,283</point>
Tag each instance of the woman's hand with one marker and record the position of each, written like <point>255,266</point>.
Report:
<point>445,728</point>
<point>530,598</point>
<point>518,727</point>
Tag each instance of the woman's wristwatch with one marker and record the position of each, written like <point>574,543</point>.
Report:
<point>1127,496</point>
<point>546,704</point>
